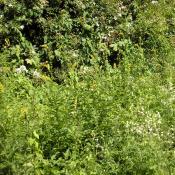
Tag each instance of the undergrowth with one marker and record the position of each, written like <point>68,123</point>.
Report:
<point>87,87</point>
<point>105,122</point>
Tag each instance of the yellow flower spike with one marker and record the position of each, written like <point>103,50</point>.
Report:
<point>44,46</point>
<point>1,88</point>
<point>23,111</point>
<point>45,65</point>
<point>45,78</point>
<point>4,69</point>
<point>7,42</point>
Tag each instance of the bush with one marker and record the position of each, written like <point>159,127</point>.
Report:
<point>59,36</point>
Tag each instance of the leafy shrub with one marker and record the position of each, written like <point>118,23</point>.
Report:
<point>58,36</point>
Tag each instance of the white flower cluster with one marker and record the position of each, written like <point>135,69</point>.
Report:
<point>21,69</point>
<point>36,74</point>
<point>149,126</point>
<point>121,9</point>
<point>86,70</point>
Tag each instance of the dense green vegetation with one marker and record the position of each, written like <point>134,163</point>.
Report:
<point>87,87</point>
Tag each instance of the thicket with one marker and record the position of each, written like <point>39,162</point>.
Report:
<point>56,37</point>
<point>87,87</point>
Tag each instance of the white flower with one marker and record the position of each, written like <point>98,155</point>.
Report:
<point>123,7</point>
<point>74,54</point>
<point>154,2</point>
<point>115,17</point>
<point>18,70</point>
<point>36,74</point>
<point>21,69</point>
<point>97,24</point>
<point>104,37</point>
<point>128,25</point>
<point>10,5</point>
<point>22,27</point>
<point>120,15</point>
